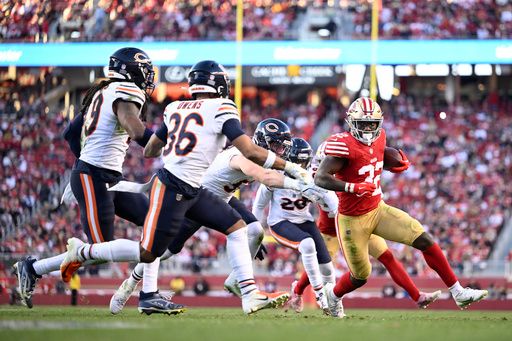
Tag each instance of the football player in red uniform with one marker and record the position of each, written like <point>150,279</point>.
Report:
<point>377,248</point>
<point>352,167</point>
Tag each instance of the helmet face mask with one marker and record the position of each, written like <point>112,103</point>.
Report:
<point>133,65</point>
<point>274,135</point>
<point>364,119</point>
<point>300,152</point>
<point>210,77</point>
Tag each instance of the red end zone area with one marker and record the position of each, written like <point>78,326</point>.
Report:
<point>97,292</point>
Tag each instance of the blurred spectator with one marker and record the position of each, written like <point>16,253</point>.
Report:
<point>177,284</point>
<point>389,290</point>
<point>201,286</point>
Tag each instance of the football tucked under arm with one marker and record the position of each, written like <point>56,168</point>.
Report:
<point>395,160</point>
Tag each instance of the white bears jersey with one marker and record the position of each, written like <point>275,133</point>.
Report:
<point>104,142</point>
<point>285,204</point>
<point>223,180</point>
<point>195,136</point>
<point>330,199</point>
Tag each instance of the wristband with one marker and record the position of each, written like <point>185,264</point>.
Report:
<point>143,141</point>
<point>271,159</point>
<point>349,187</point>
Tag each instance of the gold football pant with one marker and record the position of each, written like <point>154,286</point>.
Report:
<point>354,234</point>
<point>376,246</point>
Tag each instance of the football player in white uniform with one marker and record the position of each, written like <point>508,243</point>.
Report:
<point>194,132</point>
<point>112,113</point>
<point>292,225</point>
<point>226,174</point>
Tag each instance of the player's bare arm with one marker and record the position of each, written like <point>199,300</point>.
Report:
<point>325,178</point>
<point>255,153</point>
<point>267,177</point>
<point>154,147</point>
<point>128,115</point>
<point>268,159</point>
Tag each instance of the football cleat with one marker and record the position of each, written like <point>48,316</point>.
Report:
<point>426,298</point>
<point>467,296</point>
<point>27,280</point>
<point>121,296</point>
<point>334,303</point>
<point>154,302</point>
<point>72,261</point>
<point>258,300</point>
<point>231,285</point>
<point>296,302</point>
<point>321,301</point>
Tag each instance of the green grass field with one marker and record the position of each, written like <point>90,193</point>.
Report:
<point>92,324</point>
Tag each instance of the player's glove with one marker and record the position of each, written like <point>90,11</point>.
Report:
<point>313,192</point>
<point>298,172</point>
<point>360,189</point>
<point>405,164</point>
<point>260,254</point>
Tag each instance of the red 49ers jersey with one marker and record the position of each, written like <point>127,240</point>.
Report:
<point>364,164</point>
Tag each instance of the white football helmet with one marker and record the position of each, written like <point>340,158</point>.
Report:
<point>364,119</point>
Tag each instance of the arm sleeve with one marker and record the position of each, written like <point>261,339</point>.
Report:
<point>232,129</point>
<point>129,92</point>
<point>261,201</point>
<point>162,132</point>
<point>227,110</point>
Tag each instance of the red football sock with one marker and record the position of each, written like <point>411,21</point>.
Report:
<point>344,285</point>
<point>436,259</point>
<point>399,275</point>
<point>302,284</point>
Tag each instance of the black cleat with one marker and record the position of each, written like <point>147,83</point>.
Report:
<point>155,302</point>
<point>27,279</point>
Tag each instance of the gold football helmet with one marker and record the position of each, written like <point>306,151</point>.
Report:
<point>364,119</point>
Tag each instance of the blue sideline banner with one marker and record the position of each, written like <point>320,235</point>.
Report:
<point>262,53</point>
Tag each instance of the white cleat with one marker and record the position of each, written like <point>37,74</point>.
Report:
<point>334,303</point>
<point>468,296</point>
<point>231,285</point>
<point>72,262</point>
<point>296,302</point>
<point>121,296</point>
<point>426,298</point>
<point>321,301</point>
<point>258,300</point>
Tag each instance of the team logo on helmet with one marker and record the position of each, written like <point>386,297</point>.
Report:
<point>272,127</point>
<point>142,58</point>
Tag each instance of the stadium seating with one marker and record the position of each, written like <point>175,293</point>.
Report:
<point>157,20</point>
<point>456,187</point>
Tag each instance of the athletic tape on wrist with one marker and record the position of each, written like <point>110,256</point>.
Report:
<point>271,159</point>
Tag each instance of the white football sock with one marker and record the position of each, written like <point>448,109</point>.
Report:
<point>327,271</point>
<point>255,236</point>
<point>239,256</point>
<point>136,275</point>
<point>456,288</point>
<point>120,250</point>
<point>150,282</point>
<point>307,250</point>
<point>138,272</point>
<point>47,265</point>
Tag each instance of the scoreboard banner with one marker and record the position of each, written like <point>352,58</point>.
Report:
<point>267,53</point>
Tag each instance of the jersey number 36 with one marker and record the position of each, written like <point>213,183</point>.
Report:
<point>179,133</point>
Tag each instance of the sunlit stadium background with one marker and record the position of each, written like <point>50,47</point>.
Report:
<point>442,71</point>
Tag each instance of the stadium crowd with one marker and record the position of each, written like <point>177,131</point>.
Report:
<point>157,20</point>
<point>456,186</point>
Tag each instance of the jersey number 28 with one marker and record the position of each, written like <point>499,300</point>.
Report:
<point>179,133</point>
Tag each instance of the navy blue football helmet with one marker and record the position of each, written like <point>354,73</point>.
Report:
<point>208,76</point>
<point>273,134</point>
<point>300,152</point>
<point>134,65</point>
